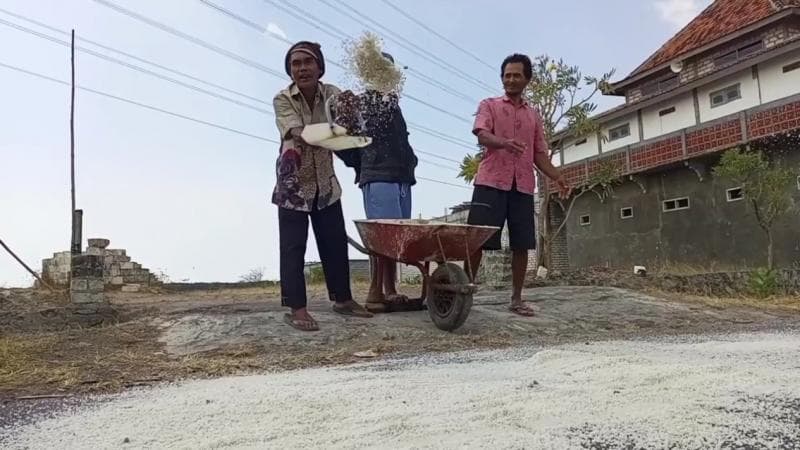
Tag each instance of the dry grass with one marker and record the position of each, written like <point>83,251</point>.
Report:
<point>694,269</point>
<point>776,303</point>
<point>25,360</point>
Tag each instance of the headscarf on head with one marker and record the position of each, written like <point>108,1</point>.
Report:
<point>309,48</point>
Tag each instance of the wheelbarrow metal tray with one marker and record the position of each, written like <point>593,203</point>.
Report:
<point>414,241</point>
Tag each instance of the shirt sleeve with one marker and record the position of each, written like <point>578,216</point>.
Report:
<point>286,116</point>
<point>484,121</point>
<point>539,140</point>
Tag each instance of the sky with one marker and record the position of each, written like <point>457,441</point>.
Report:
<point>192,200</point>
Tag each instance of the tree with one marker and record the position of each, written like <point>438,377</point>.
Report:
<point>253,276</point>
<point>764,186</point>
<point>564,99</point>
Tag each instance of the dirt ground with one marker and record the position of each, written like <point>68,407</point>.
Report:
<point>156,337</point>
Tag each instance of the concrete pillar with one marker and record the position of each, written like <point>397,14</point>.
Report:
<point>86,287</point>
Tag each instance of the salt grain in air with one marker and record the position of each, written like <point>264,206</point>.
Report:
<point>367,66</point>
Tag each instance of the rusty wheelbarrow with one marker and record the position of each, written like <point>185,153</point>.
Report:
<point>419,243</point>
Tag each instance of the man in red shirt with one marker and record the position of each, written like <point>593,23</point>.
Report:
<point>512,134</point>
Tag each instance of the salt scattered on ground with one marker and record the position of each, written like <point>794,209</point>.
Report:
<point>738,391</point>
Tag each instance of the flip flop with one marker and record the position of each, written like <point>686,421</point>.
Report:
<point>522,309</point>
<point>352,309</point>
<point>300,324</point>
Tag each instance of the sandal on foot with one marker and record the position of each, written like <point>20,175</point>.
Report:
<point>521,309</point>
<point>352,308</point>
<point>300,324</point>
<point>397,299</point>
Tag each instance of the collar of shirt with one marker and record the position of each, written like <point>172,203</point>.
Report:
<point>508,99</point>
<point>294,91</point>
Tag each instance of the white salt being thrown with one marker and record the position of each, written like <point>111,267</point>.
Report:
<point>368,68</point>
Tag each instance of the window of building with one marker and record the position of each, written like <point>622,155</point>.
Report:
<point>626,213</point>
<point>725,96</point>
<point>581,142</point>
<point>676,204</point>
<point>734,194</point>
<point>619,132</point>
<point>790,67</point>
<point>585,220</point>
<point>664,112</point>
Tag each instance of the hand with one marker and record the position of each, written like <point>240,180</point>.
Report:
<point>514,146</point>
<point>563,187</point>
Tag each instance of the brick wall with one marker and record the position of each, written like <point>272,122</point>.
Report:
<point>559,256</point>
<point>715,137</point>
<point>656,154</point>
<point>777,120</point>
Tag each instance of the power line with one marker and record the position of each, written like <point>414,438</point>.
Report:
<point>197,41</point>
<point>170,113</point>
<point>445,183</point>
<point>342,35</point>
<point>434,155</point>
<point>318,23</point>
<point>436,134</point>
<point>260,28</point>
<point>405,43</point>
<point>135,67</point>
<point>141,105</point>
<point>437,34</point>
<point>417,74</point>
<point>337,33</point>
<point>428,161</point>
<point>136,58</point>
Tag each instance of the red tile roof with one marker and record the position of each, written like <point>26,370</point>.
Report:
<point>721,18</point>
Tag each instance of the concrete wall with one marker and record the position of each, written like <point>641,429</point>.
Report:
<point>633,138</point>
<point>573,152</point>
<point>749,96</point>
<point>775,84</point>
<point>712,232</point>
<point>656,124</point>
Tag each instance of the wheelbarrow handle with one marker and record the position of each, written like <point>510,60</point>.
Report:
<point>357,246</point>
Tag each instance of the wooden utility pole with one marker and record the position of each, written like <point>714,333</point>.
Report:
<point>76,217</point>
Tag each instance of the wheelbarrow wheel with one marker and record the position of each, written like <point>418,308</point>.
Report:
<point>448,309</point>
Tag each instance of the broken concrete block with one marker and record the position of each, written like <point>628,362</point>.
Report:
<point>87,266</point>
<point>79,285</point>
<point>94,251</point>
<point>98,243</point>
<point>114,270</point>
<point>87,297</point>
<point>130,288</point>
<point>126,265</point>
<point>116,251</point>
<point>117,281</point>
<point>96,285</point>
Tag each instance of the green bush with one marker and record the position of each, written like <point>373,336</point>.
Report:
<point>764,283</point>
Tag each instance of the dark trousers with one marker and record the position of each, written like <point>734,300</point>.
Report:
<point>331,237</point>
